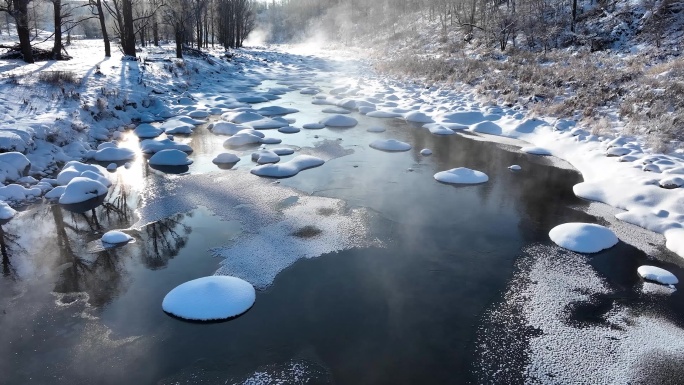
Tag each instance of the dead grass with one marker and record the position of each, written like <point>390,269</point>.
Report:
<point>579,85</point>
<point>58,78</point>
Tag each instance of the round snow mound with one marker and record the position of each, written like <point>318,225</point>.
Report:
<point>339,121</point>
<point>171,157</point>
<point>115,237</point>
<point>583,237</point>
<point>657,274</point>
<point>390,145</point>
<point>461,175</point>
<point>210,298</point>
<point>426,152</point>
<point>514,167</point>
<point>535,150</point>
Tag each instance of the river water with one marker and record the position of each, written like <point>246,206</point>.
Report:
<point>422,301</point>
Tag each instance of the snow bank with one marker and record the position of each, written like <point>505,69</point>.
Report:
<point>210,298</point>
<point>583,237</point>
<point>461,175</point>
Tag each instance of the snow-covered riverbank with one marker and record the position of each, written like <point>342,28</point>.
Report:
<point>56,123</point>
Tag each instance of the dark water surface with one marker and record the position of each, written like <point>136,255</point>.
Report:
<point>404,314</point>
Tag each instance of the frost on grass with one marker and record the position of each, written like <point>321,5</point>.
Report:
<point>558,323</point>
<point>583,237</point>
<point>210,298</point>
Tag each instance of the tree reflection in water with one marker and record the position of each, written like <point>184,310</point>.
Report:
<point>8,246</point>
<point>162,240</point>
<point>61,243</point>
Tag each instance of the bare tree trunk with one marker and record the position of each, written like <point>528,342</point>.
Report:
<point>155,32</point>
<point>128,32</point>
<point>57,47</point>
<point>179,42</point>
<point>23,31</point>
<point>103,27</point>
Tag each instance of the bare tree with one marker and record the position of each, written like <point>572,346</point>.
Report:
<point>18,9</point>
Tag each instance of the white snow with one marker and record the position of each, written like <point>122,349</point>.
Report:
<point>114,154</point>
<point>583,237</point>
<point>376,129</point>
<point>276,110</point>
<point>461,175</point>
<point>266,124</point>
<point>657,274</point>
<point>417,117</point>
<point>227,128</point>
<point>289,168</point>
<point>18,193</point>
<point>226,158</point>
<point>339,121</point>
<point>391,145</point>
<point>265,156</point>
<point>147,131</point>
<point>6,212</point>
<point>152,146</point>
<point>335,110</point>
<point>535,150</point>
<point>115,237</point>
<point>210,298</point>
<point>289,130</point>
<point>313,126</point>
<point>81,189</point>
<point>74,169</point>
<point>425,152</point>
<point>514,167</point>
<point>170,157</point>
<point>438,129</point>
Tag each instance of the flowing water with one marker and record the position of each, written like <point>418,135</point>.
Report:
<point>420,302</point>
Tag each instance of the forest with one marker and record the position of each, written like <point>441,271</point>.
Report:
<point>197,23</point>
